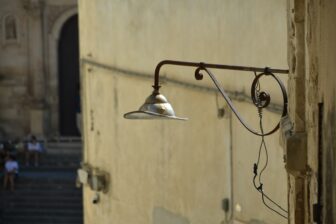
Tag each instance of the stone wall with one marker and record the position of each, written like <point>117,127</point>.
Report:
<point>13,70</point>
<point>326,93</point>
<point>312,108</point>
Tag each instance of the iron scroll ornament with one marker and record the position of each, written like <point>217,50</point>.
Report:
<point>260,99</point>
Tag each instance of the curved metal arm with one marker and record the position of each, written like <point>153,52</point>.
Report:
<point>261,100</point>
<point>257,102</point>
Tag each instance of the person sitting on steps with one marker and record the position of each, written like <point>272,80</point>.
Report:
<point>11,171</point>
<point>33,148</point>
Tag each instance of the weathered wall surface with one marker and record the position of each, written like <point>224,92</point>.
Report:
<point>164,172</point>
<point>312,107</point>
<point>327,90</point>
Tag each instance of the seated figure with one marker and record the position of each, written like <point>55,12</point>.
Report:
<point>34,148</point>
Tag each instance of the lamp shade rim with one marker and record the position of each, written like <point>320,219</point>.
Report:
<point>147,115</point>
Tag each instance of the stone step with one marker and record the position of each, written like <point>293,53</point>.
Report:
<point>45,159</point>
<point>74,145</point>
<point>64,152</point>
<point>61,154</point>
<point>47,203</point>
<point>23,194</point>
<point>52,149</point>
<point>50,182</point>
<point>48,162</point>
<point>45,200</point>
<point>63,210</point>
<point>65,139</point>
<point>43,189</point>
<point>41,219</point>
<point>72,209</point>
<point>55,155</point>
<point>51,210</point>
<point>59,150</point>
<point>14,207</point>
<point>38,183</point>
<point>51,168</point>
<point>52,176</point>
<point>59,157</point>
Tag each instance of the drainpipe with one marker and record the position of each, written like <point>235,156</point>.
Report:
<point>230,220</point>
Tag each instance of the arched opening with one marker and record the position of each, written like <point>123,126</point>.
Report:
<point>68,77</point>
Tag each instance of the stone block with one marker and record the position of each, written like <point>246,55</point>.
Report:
<point>9,113</point>
<point>296,153</point>
<point>19,90</point>
<point>5,93</point>
<point>37,122</point>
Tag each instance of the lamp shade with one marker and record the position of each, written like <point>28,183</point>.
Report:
<point>156,106</point>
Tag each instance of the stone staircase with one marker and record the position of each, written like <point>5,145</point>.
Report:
<point>46,194</point>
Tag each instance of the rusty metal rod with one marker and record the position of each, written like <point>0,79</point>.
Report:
<point>207,65</point>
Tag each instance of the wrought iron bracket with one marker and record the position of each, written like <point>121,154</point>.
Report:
<point>260,99</point>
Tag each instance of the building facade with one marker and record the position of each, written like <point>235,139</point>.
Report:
<point>35,97</point>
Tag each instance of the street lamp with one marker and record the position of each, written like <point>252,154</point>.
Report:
<point>157,106</point>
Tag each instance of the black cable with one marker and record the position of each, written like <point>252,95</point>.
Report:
<point>269,207</point>
<point>256,165</point>
<point>257,92</point>
<point>266,152</point>
<point>268,198</point>
<point>263,196</point>
<point>259,154</point>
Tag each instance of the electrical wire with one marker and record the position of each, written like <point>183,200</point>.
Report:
<point>261,146</point>
<point>256,165</point>
<point>260,187</point>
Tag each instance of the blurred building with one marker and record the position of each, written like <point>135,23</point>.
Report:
<point>39,67</point>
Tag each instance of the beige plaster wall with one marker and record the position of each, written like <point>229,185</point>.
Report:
<point>247,202</point>
<point>177,171</point>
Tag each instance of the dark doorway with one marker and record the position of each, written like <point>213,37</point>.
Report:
<point>68,67</point>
